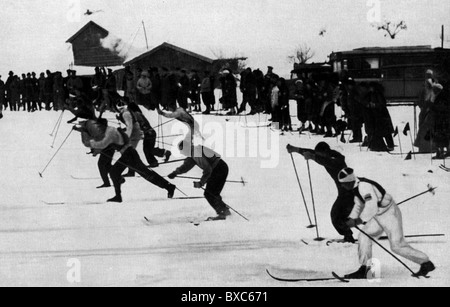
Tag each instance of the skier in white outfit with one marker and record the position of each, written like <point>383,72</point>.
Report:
<point>378,212</point>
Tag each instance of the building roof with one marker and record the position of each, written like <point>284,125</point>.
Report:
<point>388,50</point>
<point>89,24</point>
<point>167,45</point>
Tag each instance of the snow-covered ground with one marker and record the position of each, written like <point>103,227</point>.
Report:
<point>42,244</point>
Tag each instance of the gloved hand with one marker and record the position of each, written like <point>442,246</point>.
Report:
<point>352,223</point>
<point>198,185</point>
<point>172,176</point>
<point>290,148</point>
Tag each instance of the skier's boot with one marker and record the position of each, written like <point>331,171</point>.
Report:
<point>171,191</point>
<point>349,239</point>
<point>360,274</point>
<point>221,216</point>
<point>104,186</point>
<point>115,199</point>
<point>425,269</point>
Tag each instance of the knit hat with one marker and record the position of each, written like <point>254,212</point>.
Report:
<point>347,175</point>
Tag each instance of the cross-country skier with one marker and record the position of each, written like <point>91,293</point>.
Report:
<point>133,130</point>
<point>215,174</point>
<point>118,140</point>
<point>333,162</point>
<point>149,138</point>
<point>378,212</point>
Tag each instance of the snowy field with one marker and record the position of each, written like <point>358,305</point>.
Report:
<point>40,243</point>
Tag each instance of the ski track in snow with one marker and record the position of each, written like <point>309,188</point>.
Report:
<point>116,248</point>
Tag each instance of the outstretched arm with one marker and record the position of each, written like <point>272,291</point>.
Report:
<point>302,151</point>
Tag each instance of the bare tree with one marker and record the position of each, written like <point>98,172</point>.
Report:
<point>236,62</point>
<point>302,55</point>
<point>392,29</point>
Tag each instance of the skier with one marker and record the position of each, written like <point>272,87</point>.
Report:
<point>378,212</point>
<point>333,162</point>
<point>133,130</point>
<point>149,138</point>
<point>215,174</point>
<point>99,136</point>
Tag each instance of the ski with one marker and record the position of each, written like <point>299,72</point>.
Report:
<point>444,168</point>
<point>340,278</point>
<point>294,280</point>
<point>71,203</point>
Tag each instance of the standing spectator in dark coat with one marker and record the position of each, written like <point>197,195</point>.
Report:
<point>383,127</point>
<point>15,94</point>
<point>23,97</point>
<point>441,130</point>
<point>155,78</point>
<point>229,91</point>
<point>354,110</point>
<point>2,94</point>
<point>267,90</point>
<point>249,90</point>
<point>183,90</point>
<point>8,84</point>
<point>48,90</point>
<point>299,96</point>
<point>58,92</point>
<point>284,108</point>
<point>128,84</point>
<point>194,95</point>
<point>207,91</point>
<point>35,85</point>
<point>42,81</point>
<point>169,89</point>
<point>28,92</point>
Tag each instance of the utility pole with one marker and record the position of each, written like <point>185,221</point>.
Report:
<point>145,33</point>
<point>443,37</point>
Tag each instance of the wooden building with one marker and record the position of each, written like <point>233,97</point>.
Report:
<point>88,49</point>
<point>172,57</point>
<point>401,70</point>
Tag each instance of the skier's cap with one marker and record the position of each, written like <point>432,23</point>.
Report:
<point>347,175</point>
<point>322,147</point>
<point>430,72</point>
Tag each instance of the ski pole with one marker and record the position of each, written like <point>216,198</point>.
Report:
<point>173,161</point>
<point>169,136</point>
<point>385,249</point>
<point>48,164</point>
<point>319,239</point>
<point>303,194</point>
<point>57,130</point>
<point>160,125</point>
<point>229,181</point>
<point>229,207</point>
<point>430,190</point>
<point>57,123</point>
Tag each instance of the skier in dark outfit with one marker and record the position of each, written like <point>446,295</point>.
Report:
<point>118,140</point>
<point>149,138</point>
<point>333,162</point>
<point>215,174</point>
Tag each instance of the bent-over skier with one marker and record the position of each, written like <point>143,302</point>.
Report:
<point>215,174</point>
<point>118,139</point>
<point>333,162</point>
<point>378,212</point>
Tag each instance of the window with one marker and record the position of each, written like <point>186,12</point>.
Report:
<point>371,63</point>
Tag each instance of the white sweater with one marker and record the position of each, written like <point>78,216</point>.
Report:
<point>374,203</point>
